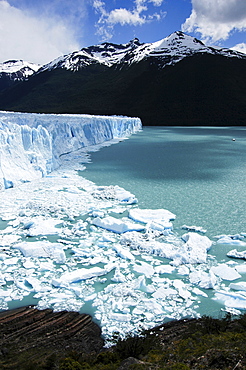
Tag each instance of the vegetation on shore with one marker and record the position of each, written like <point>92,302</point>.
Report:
<point>204,343</point>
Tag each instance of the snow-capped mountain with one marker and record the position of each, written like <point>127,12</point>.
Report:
<point>169,51</point>
<point>175,81</point>
<point>26,69</point>
<point>15,70</point>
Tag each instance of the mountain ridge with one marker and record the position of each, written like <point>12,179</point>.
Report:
<point>175,81</point>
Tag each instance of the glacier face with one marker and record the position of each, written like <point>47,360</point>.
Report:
<point>31,144</point>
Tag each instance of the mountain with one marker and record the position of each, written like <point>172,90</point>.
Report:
<point>175,81</point>
<point>12,71</point>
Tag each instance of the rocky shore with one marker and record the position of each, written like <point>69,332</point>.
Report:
<point>32,339</point>
<point>44,332</point>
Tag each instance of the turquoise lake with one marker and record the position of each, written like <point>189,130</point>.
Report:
<point>197,173</point>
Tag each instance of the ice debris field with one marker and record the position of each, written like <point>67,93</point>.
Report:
<point>68,244</point>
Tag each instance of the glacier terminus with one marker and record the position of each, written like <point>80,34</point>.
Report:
<point>32,144</point>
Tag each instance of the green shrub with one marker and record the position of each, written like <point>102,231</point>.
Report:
<point>107,358</point>
<point>71,364</point>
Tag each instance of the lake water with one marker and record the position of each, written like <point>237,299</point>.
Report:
<point>197,173</point>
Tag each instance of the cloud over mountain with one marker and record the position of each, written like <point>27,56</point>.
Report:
<point>37,37</point>
<point>136,15</point>
<point>216,19</point>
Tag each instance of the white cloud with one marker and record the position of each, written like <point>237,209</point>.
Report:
<point>124,16</point>
<point>137,16</point>
<point>215,19</point>
<point>37,39</point>
<point>240,47</point>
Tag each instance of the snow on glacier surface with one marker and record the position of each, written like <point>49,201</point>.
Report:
<point>68,244</point>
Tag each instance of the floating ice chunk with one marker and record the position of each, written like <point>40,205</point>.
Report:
<point>123,252</point>
<point>79,229</point>
<point>42,249</point>
<point>114,193</point>
<point>141,285</point>
<point>78,275</point>
<point>116,225</point>
<point>203,279</point>
<point>97,213</point>
<point>46,266</point>
<point>183,270</point>
<point>40,226</point>
<point>2,280</point>
<point>118,277</point>
<point>136,241</point>
<point>225,272</point>
<point>162,226</point>
<point>241,269</point>
<point>144,268</point>
<point>90,297</point>
<point>199,292</point>
<point>36,285</point>
<point>231,299</point>
<point>164,269</point>
<point>120,317</point>
<point>163,293</point>
<point>182,289</point>
<point>28,224</point>
<point>124,196</point>
<point>107,237</point>
<point>6,240</point>
<point>29,264</point>
<point>194,228</point>
<point>235,254</point>
<point>194,250</point>
<point>231,239</point>
<point>238,286</point>
<point>147,215</point>
<point>11,261</point>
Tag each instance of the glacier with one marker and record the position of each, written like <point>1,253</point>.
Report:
<point>31,145</point>
<point>69,244</point>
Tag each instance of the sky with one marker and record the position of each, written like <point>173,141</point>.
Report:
<point>39,31</point>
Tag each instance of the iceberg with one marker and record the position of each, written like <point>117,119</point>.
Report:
<point>231,240</point>
<point>225,272</point>
<point>116,225</point>
<point>236,254</point>
<point>147,215</point>
<point>194,250</point>
<point>78,275</point>
<point>31,145</point>
<point>42,249</point>
<point>232,299</point>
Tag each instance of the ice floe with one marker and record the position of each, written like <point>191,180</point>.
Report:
<point>225,272</point>
<point>116,225</point>
<point>236,254</point>
<point>42,249</point>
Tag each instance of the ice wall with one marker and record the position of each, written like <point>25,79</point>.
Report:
<point>31,144</point>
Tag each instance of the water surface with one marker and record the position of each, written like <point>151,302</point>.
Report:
<point>197,173</point>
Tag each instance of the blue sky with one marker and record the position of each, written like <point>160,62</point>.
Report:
<point>42,30</point>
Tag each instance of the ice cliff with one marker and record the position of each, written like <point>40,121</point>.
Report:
<point>31,144</point>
